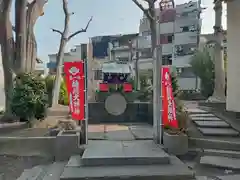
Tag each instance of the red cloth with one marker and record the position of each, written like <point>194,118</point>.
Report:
<point>127,87</point>
<point>103,87</point>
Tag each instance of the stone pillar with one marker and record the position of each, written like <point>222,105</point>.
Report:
<point>233,53</point>
<point>219,88</point>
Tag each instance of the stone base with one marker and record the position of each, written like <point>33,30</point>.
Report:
<point>176,170</point>
<point>175,144</point>
<point>67,144</point>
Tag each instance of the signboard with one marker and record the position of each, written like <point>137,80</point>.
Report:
<point>168,102</point>
<point>75,82</point>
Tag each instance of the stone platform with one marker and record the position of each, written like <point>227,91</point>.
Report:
<point>125,159</point>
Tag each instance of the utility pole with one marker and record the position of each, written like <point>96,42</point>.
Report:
<point>157,74</point>
<point>157,85</point>
<point>137,67</point>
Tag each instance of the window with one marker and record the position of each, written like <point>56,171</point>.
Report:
<point>97,74</point>
<point>146,33</point>
<point>186,72</point>
<point>115,44</point>
<point>185,29</point>
<point>170,38</point>
<point>167,59</point>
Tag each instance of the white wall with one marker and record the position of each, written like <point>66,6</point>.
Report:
<point>166,28</point>
<point>182,61</point>
<point>186,38</point>
<point>233,67</point>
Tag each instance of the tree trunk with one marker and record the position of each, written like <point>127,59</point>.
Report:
<point>20,29</point>
<point>219,87</point>
<point>7,43</point>
<point>58,78</point>
<point>35,9</point>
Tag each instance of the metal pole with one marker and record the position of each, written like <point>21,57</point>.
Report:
<point>136,66</point>
<point>84,123</point>
<point>157,87</point>
<point>86,100</point>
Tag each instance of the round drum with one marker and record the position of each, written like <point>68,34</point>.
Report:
<point>115,104</point>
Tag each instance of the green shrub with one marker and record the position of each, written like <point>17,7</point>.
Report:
<point>63,98</point>
<point>63,94</point>
<point>203,67</point>
<point>29,98</point>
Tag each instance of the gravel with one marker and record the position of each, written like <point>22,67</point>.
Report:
<point>13,166</point>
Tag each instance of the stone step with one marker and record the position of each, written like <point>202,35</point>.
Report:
<point>228,132</point>
<point>202,115</point>
<point>54,171</point>
<point>223,153</point>
<point>220,162</point>
<point>175,170</point>
<point>196,111</point>
<point>108,153</point>
<point>229,177</point>
<point>215,144</point>
<point>205,119</point>
<point>36,173</point>
<point>212,124</point>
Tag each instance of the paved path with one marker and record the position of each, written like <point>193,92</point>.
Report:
<point>120,132</point>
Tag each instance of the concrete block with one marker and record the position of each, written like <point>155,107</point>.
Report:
<point>175,144</point>
<point>108,153</point>
<point>220,162</point>
<point>66,145</point>
<point>218,132</point>
<point>212,124</point>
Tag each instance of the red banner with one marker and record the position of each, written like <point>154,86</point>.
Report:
<point>75,82</point>
<point>169,106</point>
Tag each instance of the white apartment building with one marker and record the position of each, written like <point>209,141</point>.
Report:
<point>179,35</point>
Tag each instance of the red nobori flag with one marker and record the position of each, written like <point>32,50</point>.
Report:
<point>169,106</point>
<point>74,74</point>
<point>103,87</point>
<point>127,87</point>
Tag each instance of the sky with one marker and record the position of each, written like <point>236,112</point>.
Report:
<point>109,17</point>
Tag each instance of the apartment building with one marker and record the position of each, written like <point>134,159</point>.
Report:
<point>179,35</point>
<point>75,54</point>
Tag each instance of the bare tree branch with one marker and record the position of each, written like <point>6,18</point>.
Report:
<point>57,31</point>
<point>145,11</point>
<point>80,31</point>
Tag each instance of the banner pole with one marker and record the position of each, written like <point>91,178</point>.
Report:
<point>86,100</point>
